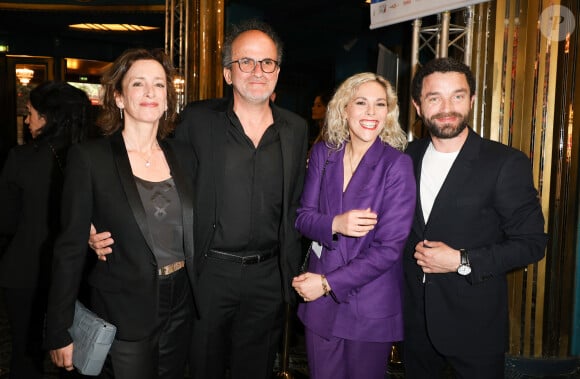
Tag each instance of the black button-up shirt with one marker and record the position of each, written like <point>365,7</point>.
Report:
<point>252,204</point>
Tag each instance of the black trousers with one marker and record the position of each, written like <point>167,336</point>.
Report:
<point>25,308</point>
<point>164,354</point>
<point>240,320</point>
<point>423,361</point>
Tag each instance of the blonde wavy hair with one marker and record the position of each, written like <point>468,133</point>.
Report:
<point>336,132</point>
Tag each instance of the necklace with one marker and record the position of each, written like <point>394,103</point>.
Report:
<point>148,160</point>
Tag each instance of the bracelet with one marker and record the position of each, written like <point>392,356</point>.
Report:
<point>324,285</point>
<point>326,290</point>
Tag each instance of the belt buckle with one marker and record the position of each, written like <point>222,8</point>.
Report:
<point>252,259</point>
<point>171,268</point>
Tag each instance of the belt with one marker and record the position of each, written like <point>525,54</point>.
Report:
<point>248,257</point>
<point>171,268</point>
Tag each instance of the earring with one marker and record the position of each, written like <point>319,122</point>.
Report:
<point>166,115</point>
<point>121,112</point>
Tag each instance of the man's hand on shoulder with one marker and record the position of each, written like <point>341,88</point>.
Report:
<point>100,243</point>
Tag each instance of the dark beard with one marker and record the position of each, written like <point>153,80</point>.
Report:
<point>446,131</point>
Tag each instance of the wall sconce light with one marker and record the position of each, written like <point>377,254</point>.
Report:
<point>179,83</point>
<point>24,75</point>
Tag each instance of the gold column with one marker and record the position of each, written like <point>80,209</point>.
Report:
<point>205,34</point>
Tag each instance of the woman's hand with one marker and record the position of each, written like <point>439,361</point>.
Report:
<point>354,223</point>
<point>309,286</point>
<point>63,357</point>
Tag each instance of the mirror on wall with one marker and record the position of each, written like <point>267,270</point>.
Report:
<point>86,75</point>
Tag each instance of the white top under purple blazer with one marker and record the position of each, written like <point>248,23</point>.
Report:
<point>365,273</point>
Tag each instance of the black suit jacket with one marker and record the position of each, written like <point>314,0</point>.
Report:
<point>204,127</point>
<point>30,189</point>
<point>100,188</point>
<point>489,206</point>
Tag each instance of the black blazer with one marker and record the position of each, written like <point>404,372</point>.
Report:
<point>30,189</point>
<point>489,206</point>
<point>100,188</point>
<point>204,127</point>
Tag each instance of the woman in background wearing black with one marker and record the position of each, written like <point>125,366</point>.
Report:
<point>30,189</point>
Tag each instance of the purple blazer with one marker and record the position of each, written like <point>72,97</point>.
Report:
<point>365,273</point>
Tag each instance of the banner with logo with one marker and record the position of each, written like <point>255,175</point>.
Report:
<point>388,12</point>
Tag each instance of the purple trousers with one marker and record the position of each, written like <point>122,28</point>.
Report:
<point>337,358</point>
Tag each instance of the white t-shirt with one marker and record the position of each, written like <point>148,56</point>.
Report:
<point>434,170</point>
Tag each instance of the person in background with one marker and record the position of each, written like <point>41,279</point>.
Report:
<point>30,190</point>
<point>477,218</point>
<point>316,130</point>
<point>357,206</point>
<point>136,184</point>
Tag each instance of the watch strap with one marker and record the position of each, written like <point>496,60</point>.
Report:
<point>464,257</point>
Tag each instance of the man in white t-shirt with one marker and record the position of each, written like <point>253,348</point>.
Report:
<point>477,218</point>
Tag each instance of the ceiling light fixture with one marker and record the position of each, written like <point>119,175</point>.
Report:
<point>24,75</point>
<point>113,27</point>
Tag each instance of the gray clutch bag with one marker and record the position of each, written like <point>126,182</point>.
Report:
<point>92,337</point>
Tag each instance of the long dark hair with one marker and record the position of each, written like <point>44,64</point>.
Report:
<point>66,110</point>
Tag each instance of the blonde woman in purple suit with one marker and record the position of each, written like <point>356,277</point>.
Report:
<point>357,205</point>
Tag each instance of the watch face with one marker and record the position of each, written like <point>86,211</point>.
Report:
<point>464,270</point>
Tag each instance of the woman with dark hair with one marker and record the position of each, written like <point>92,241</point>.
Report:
<point>30,189</point>
<point>316,130</point>
<point>132,184</point>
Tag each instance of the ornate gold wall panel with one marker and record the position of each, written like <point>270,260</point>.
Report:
<point>523,88</point>
<point>484,26</point>
<point>563,248</point>
<point>529,112</point>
